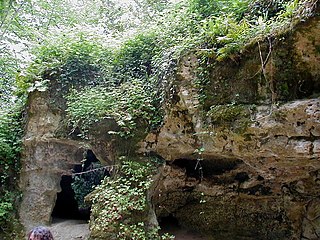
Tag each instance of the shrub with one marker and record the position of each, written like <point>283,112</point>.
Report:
<point>71,60</point>
<point>119,205</point>
<point>130,102</point>
<point>10,146</point>
<point>134,58</point>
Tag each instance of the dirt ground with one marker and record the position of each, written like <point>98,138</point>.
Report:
<point>79,230</point>
<point>69,229</point>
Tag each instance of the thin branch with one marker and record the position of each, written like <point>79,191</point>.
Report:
<point>13,16</point>
<point>109,168</point>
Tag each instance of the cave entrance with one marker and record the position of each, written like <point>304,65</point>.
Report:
<point>171,225</point>
<point>66,206</point>
<point>70,201</point>
<point>206,168</point>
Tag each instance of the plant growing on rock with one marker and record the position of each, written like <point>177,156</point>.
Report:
<point>119,205</point>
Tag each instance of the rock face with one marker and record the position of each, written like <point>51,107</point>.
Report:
<point>50,153</point>
<point>45,160</point>
<point>238,165</point>
<point>241,187</point>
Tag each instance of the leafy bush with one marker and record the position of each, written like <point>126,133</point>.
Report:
<point>10,146</point>
<point>134,58</point>
<point>128,103</point>
<point>210,8</point>
<point>233,30</point>
<point>70,59</point>
<point>119,205</point>
<point>6,207</point>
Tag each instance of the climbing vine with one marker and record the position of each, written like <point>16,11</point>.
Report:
<point>10,147</point>
<point>84,183</point>
<point>119,205</point>
<point>123,80</point>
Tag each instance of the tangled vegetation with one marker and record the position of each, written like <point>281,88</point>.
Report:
<point>119,205</point>
<point>10,147</point>
<point>123,82</point>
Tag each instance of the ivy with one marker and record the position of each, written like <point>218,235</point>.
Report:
<point>71,60</point>
<point>128,103</point>
<point>231,31</point>
<point>134,58</point>
<point>84,183</point>
<point>119,205</point>
<point>10,147</point>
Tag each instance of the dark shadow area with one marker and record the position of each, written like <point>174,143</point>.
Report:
<point>66,206</point>
<point>171,225</point>
<point>206,168</point>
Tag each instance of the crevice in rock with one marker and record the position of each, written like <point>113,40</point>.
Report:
<point>259,189</point>
<point>206,168</point>
<point>310,138</point>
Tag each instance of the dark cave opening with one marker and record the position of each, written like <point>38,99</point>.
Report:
<point>206,168</point>
<point>171,225</point>
<point>67,206</point>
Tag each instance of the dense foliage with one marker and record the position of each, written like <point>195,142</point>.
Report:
<point>10,135</point>
<point>119,205</point>
<point>83,183</point>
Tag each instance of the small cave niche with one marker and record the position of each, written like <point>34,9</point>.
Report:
<point>66,205</point>
<point>171,225</point>
<point>206,168</point>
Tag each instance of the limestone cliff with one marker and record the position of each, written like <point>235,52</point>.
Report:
<point>242,163</point>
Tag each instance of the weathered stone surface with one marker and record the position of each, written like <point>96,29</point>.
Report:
<point>44,160</point>
<point>253,175</point>
<point>258,176</point>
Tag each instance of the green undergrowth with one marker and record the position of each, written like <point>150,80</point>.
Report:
<point>120,204</point>
<point>241,23</point>
<point>129,93</point>
<point>10,147</point>
<point>128,103</point>
<point>71,60</point>
<point>127,82</point>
